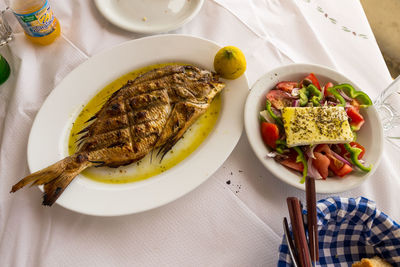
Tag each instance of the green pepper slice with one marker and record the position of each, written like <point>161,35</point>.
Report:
<point>349,90</point>
<point>281,146</point>
<point>302,159</point>
<point>310,91</point>
<point>316,95</point>
<point>303,94</point>
<point>354,152</point>
<point>280,150</point>
<point>354,135</point>
<point>272,114</point>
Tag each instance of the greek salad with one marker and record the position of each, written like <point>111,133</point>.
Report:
<point>312,128</point>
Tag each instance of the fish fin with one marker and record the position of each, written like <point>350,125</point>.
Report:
<point>56,177</point>
<point>54,188</point>
<point>92,118</point>
<point>182,116</point>
<point>99,163</point>
<point>82,138</point>
<point>167,147</point>
<point>84,130</point>
<point>151,155</point>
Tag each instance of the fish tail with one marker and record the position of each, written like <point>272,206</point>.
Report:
<point>56,177</point>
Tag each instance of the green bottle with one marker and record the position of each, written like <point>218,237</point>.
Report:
<point>4,70</point>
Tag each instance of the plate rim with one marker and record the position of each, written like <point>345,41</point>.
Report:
<point>99,5</point>
<point>34,129</point>
<point>275,172</point>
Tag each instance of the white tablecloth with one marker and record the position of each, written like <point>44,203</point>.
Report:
<point>217,224</point>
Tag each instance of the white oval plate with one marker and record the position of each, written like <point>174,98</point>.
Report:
<point>370,135</point>
<point>48,140</point>
<point>149,16</point>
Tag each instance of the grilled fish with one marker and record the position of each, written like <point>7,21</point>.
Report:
<point>150,113</point>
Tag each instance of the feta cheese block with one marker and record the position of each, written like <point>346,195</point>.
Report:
<point>316,125</point>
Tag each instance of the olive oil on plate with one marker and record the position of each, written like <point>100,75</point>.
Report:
<point>150,165</point>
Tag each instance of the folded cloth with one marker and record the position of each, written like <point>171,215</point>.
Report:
<point>350,229</point>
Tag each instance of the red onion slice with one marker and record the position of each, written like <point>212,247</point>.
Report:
<point>276,112</point>
<point>290,96</point>
<point>312,171</point>
<point>310,152</point>
<point>264,114</point>
<point>272,154</point>
<point>336,155</point>
<point>295,92</point>
<point>346,97</point>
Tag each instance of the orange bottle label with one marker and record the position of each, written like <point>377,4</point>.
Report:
<point>39,23</point>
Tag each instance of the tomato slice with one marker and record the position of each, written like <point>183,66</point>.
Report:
<point>355,144</point>
<point>269,133</point>
<point>343,171</point>
<point>279,99</point>
<point>345,153</point>
<point>335,165</point>
<point>323,148</point>
<point>328,85</point>
<point>354,115</point>
<point>355,104</point>
<point>338,167</point>
<point>291,163</point>
<point>286,86</point>
<point>321,163</point>
<point>357,120</point>
<point>311,77</point>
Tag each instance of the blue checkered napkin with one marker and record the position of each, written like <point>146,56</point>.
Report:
<point>351,229</point>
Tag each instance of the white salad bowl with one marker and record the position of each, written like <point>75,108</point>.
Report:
<point>370,135</point>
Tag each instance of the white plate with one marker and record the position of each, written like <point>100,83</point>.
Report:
<point>370,135</point>
<point>48,140</point>
<point>149,16</point>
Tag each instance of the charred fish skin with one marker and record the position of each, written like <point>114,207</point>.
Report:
<point>152,111</point>
<point>149,113</point>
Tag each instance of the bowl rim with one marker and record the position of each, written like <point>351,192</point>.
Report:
<point>281,172</point>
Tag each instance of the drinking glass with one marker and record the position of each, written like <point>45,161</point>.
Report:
<point>388,107</point>
<point>6,34</point>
